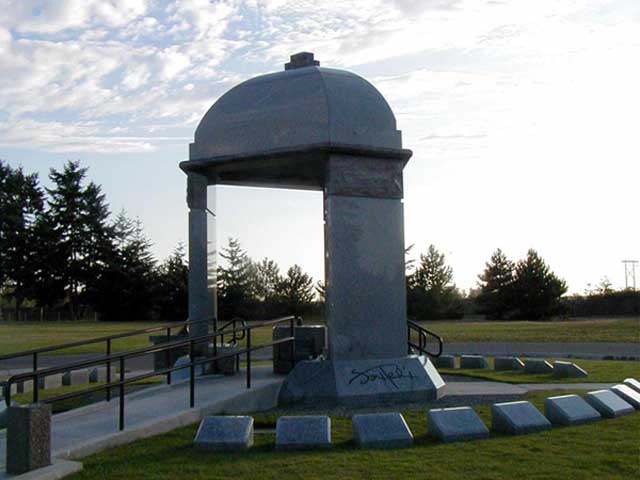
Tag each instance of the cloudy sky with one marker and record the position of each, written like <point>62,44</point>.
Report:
<point>523,115</point>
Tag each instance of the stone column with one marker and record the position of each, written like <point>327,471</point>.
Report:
<point>28,438</point>
<point>364,248</point>
<point>199,303</point>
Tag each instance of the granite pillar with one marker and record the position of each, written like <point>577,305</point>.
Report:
<point>199,301</point>
<point>28,438</point>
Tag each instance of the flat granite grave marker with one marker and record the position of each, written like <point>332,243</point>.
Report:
<point>517,418</point>
<point>473,361</point>
<point>534,365</point>
<point>455,424</point>
<point>608,403</point>
<point>568,370</point>
<point>25,386</point>
<point>569,410</point>
<point>633,383</point>
<point>507,363</point>
<point>444,361</point>
<point>28,438</point>
<point>297,433</point>
<point>99,374</point>
<point>224,433</point>
<point>381,430</point>
<point>628,394</point>
<point>76,377</point>
<point>50,381</point>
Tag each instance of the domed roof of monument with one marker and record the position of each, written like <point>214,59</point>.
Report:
<point>303,106</point>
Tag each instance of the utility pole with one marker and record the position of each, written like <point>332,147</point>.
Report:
<point>630,273</point>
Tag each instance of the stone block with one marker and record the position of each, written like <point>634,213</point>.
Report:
<point>633,383</point>
<point>363,382</point>
<point>567,370</point>
<point>473,361</point>
<point>444,361</point>
<point>517,418</point>
<point>298,433</point>
<point>310,342</point>
<point>628,394</point>
<point>160,358</point>
<point>50,381</point>
<point>537,365</point>
<point>99,374</point>
<point>4,386</point>
<point>224,433</point>
<point>185,373</point>
<point>25,386</point>
<point>4,413</point>
<point>569,410</point>
<point>226,365</point>
<point>76,377</point>
<point>608,403</point>
<point>507,363</point>
<point>381,430</point>
<point>455,424</point>
<point>28,438</point>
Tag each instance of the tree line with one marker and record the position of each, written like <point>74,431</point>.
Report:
<point>61,248</point>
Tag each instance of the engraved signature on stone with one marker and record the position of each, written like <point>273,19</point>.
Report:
<point>386,372</point>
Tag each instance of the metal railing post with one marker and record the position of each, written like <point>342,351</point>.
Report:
<point>192,377</point>
<point>36,385</point>
<point>408,340</point>
<point>249,358</point>
<point>121,423</point>
<point>167,356</point>
<point>108,370</point>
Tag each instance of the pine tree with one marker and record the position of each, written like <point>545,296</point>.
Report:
<point>173,280</point>
<point>536,289</point>
<point>21,203</point>
<point>77,220</point>
<point>495,299</point>
<point>431,293</point>
<point>296,290</point>
<point>235,281</point>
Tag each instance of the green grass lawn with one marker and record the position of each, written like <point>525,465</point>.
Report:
<point>600,371</point>
<point>607,449</point>
<point>600,330</point>
<point>18,336</point>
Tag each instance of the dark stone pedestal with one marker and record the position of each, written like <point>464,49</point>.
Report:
<point>310,342</point>
<point>28,438</point>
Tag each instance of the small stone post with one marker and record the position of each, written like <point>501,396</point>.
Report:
<point>28,438</point>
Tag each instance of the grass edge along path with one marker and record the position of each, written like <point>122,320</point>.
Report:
<point>605,449</point>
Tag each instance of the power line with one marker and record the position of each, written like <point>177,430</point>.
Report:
<point>630,273</point>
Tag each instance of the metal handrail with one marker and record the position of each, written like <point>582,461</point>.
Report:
<point>423,333</point>
<point>122,356</point>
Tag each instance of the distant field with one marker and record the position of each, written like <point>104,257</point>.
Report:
<point>18,336</point>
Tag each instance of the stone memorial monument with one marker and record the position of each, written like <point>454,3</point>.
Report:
<point>315,128</point>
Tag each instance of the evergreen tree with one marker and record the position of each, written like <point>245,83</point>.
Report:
<point>235,281</point>
<point>173,286</point>
<point>21,203</point>
<point>267,279</point>
<point>536,289</point>
<point>296,290</point>
<point>431,293</point>
<point>495,299</point>
<point>77,221</point>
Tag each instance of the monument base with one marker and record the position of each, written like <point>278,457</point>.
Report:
<point>363,382</point>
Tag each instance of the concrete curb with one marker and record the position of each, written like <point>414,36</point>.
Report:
<point>59,469</point>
